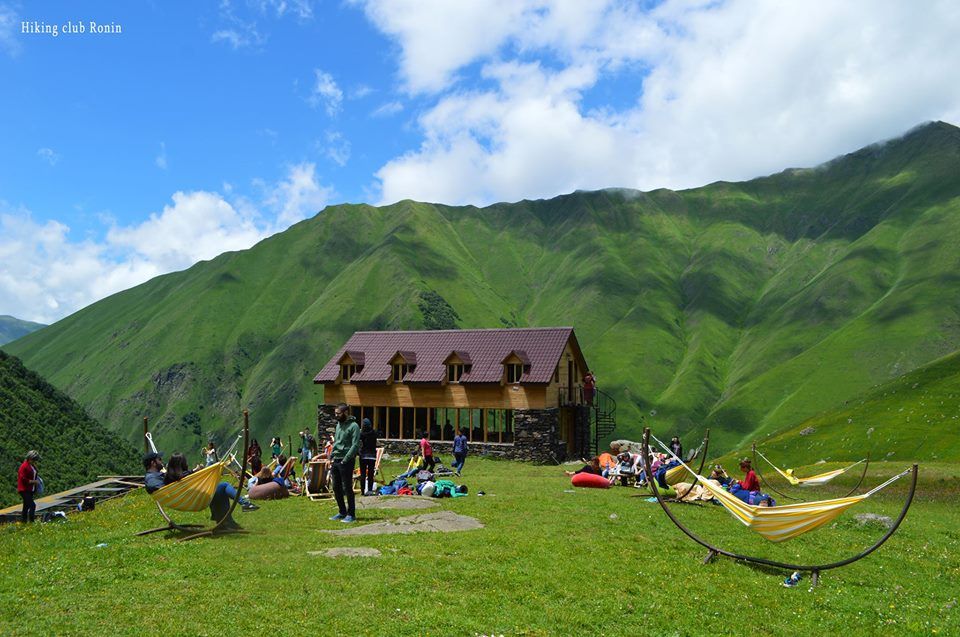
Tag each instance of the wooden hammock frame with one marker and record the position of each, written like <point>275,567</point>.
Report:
<point>756,468</point>
<point>199,530</point>
<point>813,569</point>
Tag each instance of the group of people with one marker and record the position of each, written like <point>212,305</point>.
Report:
<point>624,465</point>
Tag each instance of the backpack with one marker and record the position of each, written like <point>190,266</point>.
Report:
<point>87,504</point>
<point>424,475</point>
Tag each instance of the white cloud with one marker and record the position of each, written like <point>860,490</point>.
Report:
<point>325,94</point>
<point>9,31</point>
<point>48,155</point>
<point>199,225</point>
<point>45,274</point>
<point>161,159</point>
<point>240,36</point>
<point>388,109</point>
<point>335,147</point>
<point>298,196</point>
<point>724,90</point>
<point>361,91</point>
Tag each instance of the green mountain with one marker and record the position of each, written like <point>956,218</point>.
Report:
<point>746,307</point>
<point>12,328</point>
<point>73,447</point>
<point>915,417</point>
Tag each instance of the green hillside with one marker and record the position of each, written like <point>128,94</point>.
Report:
<point>74,448</point>
<point>12,328</point>
<point>745,307</point>
<point>914,418</point>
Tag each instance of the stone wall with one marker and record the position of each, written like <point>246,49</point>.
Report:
<point>325,420</point>
<point>536,435</point>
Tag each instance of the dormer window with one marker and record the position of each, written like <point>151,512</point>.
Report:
<point>350,363</point>
<point>403,363</point>
<point>400,370</point>
<point>454,372</point>
<point>514,372</point>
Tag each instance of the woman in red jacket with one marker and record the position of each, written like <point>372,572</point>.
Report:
<point>27,484</point>
<point>750,481</point>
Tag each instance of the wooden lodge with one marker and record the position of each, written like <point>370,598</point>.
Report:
<point>514,392</point>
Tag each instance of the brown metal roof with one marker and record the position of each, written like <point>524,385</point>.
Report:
<point>484,349</point>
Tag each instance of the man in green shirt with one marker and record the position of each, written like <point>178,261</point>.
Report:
<point>346,443</point>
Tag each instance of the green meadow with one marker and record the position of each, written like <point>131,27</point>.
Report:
<point>550,560</point>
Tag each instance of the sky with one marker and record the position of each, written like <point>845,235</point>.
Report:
<point>167,133</point>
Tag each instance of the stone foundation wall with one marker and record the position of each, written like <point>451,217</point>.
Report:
<point>536,435</point>
<point>325,420</point>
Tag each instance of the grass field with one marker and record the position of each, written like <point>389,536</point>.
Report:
<point>550,561</point>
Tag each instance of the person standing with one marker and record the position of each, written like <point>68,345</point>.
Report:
<point>255,451</point>
<point>346,444</point>
<point>368,456</point>
<point>27,481</point>
<point>589,387</point>
<point>306,443</point>
<point>276,447</point>
<point>210,454</point>
<point>427,452</point>
<point>676,447</point>
<point>459,451</point>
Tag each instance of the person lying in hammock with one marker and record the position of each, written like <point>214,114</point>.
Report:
<point>719,474</point>
<point>155,479</point>
<point>756,498</point>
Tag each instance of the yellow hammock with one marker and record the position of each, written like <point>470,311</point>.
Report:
<point>812,481</point>
<point>193,492</point>
<point>781,523</point>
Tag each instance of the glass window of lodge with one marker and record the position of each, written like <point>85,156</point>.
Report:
<point>454,372</point>
<point>514,372</point>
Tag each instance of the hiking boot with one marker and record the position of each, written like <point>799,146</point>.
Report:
<point>348,519</point>
<point>249,506</point>
<point>336,517</point>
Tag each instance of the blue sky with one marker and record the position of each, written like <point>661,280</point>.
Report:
<point>207,126</point>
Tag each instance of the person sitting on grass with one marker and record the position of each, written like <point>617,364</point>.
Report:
<point>592,467</point>
<point>750,481</point>
<point>155,479</point>
<point>627,466</point>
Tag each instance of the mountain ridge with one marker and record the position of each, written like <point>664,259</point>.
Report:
<point>746,307</point>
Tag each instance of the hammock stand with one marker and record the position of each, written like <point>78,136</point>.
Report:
<point>217,528</point>
<point>813,569</point>
<point>765,481</point>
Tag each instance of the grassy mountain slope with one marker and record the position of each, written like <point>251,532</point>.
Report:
<point>73,447</point>
<point>915,417</point>
<point>12,328</point>
<point>744,307</point>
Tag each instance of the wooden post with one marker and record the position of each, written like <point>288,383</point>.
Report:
<point>400,432</point>
<point>457,420</point>
<point>485,417</point>
<point>376,418</point>
<point>429,424</point>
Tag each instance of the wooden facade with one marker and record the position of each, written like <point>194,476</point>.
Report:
<point>534,376</point>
